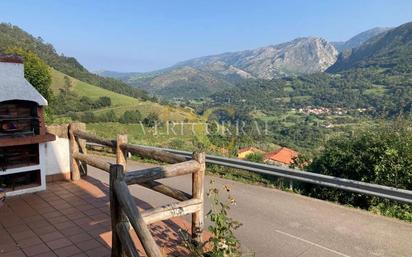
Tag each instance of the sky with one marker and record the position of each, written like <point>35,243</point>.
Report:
<point>140,35</point>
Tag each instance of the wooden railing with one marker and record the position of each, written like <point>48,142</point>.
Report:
<point>124,211</point>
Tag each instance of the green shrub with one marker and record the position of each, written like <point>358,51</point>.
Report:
<point>382,155</point>
<point>109,116</point>
<point>103,101</point>
<point>129,117</point>
<point>151,120</point>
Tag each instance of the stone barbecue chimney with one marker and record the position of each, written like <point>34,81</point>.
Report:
<point>13,85</point>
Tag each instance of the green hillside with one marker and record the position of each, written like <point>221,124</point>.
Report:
<point>119,103</point>
<point>389,50</point>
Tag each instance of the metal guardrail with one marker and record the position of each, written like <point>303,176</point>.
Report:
<point>392,193</point>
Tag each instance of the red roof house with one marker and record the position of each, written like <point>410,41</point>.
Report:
<point>282,156</point>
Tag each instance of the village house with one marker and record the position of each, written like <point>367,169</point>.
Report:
<point>244,152</point>
<point>283,156</point>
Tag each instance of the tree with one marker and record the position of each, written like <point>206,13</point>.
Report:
<point>67,86</point>
<point>35,71</point>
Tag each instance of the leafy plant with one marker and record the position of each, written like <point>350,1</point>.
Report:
<point>223,242</point>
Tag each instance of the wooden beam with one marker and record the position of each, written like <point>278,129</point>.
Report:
<point>92,161</point>
<point>74,148</point>
<point>198,188</point>
<point>95,139</point>
<point>116,214</point>
<point>127,242</point>
<point>121,155</point>
<point>154,154</point>
<point>172,210</point>
<point>167,171</point>
<point>166,190</point>
<point>128,205</point>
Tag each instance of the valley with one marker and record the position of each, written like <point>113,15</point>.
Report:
<point>206,128</point>
<point>300,96</point>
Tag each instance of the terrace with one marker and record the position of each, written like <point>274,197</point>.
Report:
<point>73,219</point>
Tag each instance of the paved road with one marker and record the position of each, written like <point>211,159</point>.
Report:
<point>282,224</point>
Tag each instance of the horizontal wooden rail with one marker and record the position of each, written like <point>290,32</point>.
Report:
<point>128,205</point>
<point>166,190</point>
<point>92,161</point>
<point>172,210</point>
<point>167,171</point>
<point>95,139</point>
<point>154,154</point>
<point>127,242</point>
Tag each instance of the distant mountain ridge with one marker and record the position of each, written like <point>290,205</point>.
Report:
<point>359,39</point>
<point>391,49</point>
<point>116,74</point>
<point>300,56</point>
<point>206,75</point>
<point>374,79</point>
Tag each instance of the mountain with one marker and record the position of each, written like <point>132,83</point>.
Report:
<point>116,74</point>
<point>300,56</point>
<point>12,36</point>
<point>182,81</point>
<point>391,49</point>
<point>374,79</point>
<point>359,39</point>
<point>203,76</point>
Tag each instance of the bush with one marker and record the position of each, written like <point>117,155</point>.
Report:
<point>103,101</point>
<point>109,116</point>
<point>88,117</point>
<point>131,117</point>
<point>151,120</point>
<point>381,156</point>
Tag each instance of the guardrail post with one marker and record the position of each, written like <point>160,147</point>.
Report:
<point>117,215</point>
<point>121,155</point>
<point>198,178</point>
<point>74,144</point>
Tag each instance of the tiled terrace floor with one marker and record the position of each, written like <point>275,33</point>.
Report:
<point>69,219</point>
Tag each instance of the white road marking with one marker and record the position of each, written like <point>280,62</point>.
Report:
<point>311,243</point>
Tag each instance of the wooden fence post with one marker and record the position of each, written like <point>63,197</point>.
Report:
<point>198,178</point>
<point>117,215</point>
<point>74,145</point>
<point>121,155</point>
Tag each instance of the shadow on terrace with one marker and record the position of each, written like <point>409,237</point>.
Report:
<point>72,219</point>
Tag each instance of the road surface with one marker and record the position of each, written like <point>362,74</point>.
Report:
<point>282,224</point>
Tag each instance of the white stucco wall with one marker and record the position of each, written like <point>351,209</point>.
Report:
<point>57,158</point>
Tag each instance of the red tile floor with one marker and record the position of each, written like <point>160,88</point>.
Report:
<point>70,219</point>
